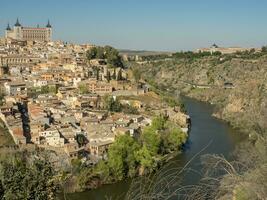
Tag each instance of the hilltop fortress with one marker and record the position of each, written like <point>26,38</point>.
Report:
<point>20,32</point>
<point>225,50</point>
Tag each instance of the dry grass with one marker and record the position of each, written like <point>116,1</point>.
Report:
<point>147,98</point>
<point>166,184</point>
<point>5,137</point>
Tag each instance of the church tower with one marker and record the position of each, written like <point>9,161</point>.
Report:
<point>8,30</point>
<point>17,30</point>
<point>49,31</point>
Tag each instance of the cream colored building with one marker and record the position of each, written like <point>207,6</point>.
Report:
<point>225,50</point>
<point>20,32</point>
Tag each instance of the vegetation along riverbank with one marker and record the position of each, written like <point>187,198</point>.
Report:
<point>237,85</point>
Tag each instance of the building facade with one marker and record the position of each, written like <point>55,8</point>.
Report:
<point>14,60</point>
<point>15,88</point>
<point>20,32</point>
<point>225,50</point>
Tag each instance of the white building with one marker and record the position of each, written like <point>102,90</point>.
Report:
<point>51,137</point>
<point>40,83</point>
<point>15,88</point>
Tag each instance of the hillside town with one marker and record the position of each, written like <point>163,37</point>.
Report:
<point>56,98</point>
<point>133,100</point>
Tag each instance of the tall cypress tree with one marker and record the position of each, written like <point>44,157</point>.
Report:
<point>119,77</point>
<point>97,74</point>
<point>108,76</point>
<point>114,74</point>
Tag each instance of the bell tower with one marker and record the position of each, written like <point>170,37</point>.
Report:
<point>8,30</point>
<point>17,30</point>
<point>49,31</point>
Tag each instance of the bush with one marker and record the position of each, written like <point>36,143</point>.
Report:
<point>83,89</point>
<point>22,180</point>
<point>128,109</point>
<point>109,53</point>
<point>128,157</point>
<point>111,104</point>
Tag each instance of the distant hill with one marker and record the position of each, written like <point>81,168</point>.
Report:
<point>142,52</point>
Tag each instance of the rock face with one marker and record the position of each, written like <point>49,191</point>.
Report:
<point>175,116</point>
<point>238,89</point>
<point>235,106</point>
<point>178,117</point>
<point>242,103</point>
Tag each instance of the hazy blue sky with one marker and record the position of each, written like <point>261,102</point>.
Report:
<point>146,24</point>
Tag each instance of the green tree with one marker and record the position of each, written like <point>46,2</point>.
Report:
<point>22,180</point>
<point>128,109</point>
<point>151,139</point>
<point>112,104</point>
<point>2,190</point>
<point>106,101</point>
<point>2,95</point>
<point>52,89</point>
<point>144,157</point>
<point>175,138</point>
<point>91,53</point>
<point>119,76</point>
<point>114,74</point>
<point>97,74</point>
<point>115,106</point>
<point>115,164</point>
<point>100,54</point>
<point>136,74</point>
<point>264,49</point>
<point>121,157</point>
<point>158,123</point>
<point>76,165</point>
<point>102,170</point>
<point>83,89</point>
<point>81,139</point>
<point>109,53</point>
<point>6,69</point>
<point>48,89</point>
<point>112,56</point>
<point>108,76</point>
<point>45,89</point>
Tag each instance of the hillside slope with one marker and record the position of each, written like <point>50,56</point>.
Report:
<point>237,85</point>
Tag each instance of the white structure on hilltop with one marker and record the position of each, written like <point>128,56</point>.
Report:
<point>29,33</point>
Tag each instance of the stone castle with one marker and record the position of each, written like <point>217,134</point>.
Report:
<point>20,32</point>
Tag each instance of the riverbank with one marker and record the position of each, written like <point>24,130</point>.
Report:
<point>240,98</point>
<point>98,184</point>
<point>130,157</point>
<point>137,153</point>
<point>229,109</point>
<point>205,129</point>
<point>239,81</point>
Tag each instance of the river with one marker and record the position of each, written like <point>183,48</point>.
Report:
<point>205,130</point>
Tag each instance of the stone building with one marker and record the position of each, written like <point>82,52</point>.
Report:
<point>15,88</point>
<point>20,32</point>
<point>225,50</point>
<point>14,60</point>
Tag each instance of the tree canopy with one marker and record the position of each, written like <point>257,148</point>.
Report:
<point>129,156</point>
<point>23,180</point>
<point>83,89</point>
<point>109,53</point>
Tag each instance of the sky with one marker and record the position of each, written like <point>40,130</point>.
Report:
<point>161,25</point>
